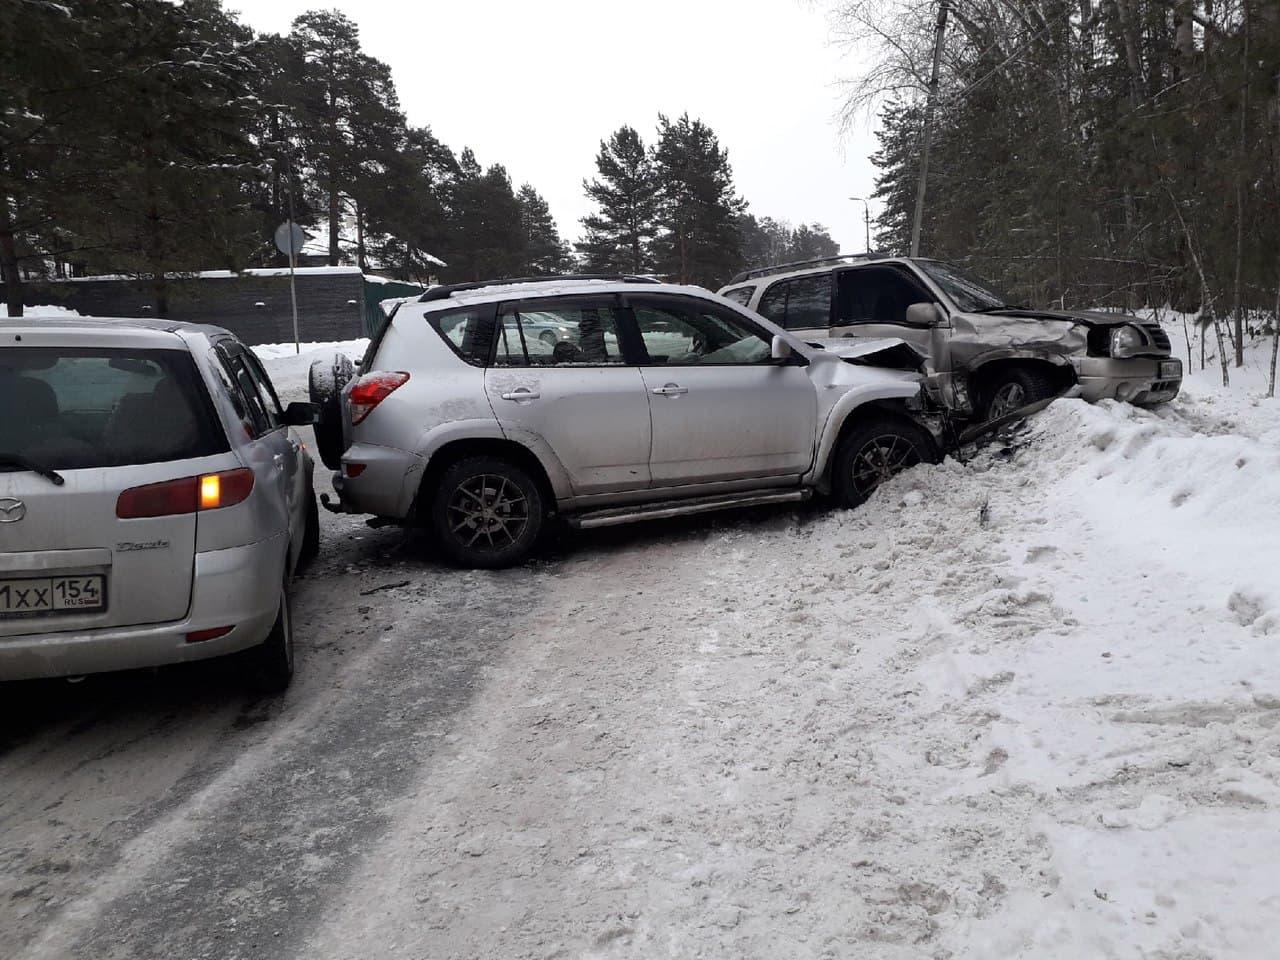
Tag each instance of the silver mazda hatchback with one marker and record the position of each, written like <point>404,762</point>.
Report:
<point>154,501</point>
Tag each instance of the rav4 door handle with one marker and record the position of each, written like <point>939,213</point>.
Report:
<point>522,393</point>
<point>670,390</point>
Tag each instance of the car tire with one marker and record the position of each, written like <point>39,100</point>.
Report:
<point>274,659</point>
<point>875,449</point>
<point>1016,387</point>
<point>486,512</point>
<point>325,382</point>
<point>548,337</point>
<point>310,533</point>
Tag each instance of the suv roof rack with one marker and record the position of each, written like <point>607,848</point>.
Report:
<point>797,264</point>
<point>445,291</point>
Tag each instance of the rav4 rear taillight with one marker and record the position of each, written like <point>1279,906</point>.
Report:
<point>209,491</point>
<point>371,389</point>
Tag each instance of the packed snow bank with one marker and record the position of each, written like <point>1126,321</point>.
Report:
<point>288,369</point>
<point>1027,706</point>
<point>49,310</point>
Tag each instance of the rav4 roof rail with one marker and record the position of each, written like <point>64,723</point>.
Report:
<point>446,291</point>
<point>797,264</point>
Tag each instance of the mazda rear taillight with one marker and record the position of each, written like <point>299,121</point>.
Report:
<point>371,389</point>
<point>209,491</point>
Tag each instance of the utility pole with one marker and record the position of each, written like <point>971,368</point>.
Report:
<point>867,220</point>
<point>944,8</point>
<point>293,253</point>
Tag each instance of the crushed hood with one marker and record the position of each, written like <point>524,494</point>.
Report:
<point>1090,318</point>
<point>888,352</point>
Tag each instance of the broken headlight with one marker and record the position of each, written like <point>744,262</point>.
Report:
<point>1127,340</point>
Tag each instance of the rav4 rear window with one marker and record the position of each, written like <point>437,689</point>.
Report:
<point>468,330</point>
<point>70,408</point>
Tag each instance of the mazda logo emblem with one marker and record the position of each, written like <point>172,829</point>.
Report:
<point>11,510</point>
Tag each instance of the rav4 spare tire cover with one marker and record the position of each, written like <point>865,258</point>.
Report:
<point>326,381</point>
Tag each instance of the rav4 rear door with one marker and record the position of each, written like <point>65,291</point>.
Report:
<point>105,420</point>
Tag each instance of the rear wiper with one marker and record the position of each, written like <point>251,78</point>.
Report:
<point>22,463</point>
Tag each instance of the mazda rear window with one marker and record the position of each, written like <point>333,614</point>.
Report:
<point>71,408</point>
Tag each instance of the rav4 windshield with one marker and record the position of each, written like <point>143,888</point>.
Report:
<point>69,408</point>
<point>969,293</point>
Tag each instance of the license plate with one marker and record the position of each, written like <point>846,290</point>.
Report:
<point>37,595</point>
<point>1170,369</point>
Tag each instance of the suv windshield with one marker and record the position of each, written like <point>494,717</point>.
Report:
<point>69,408</point>
<point>970,294</point>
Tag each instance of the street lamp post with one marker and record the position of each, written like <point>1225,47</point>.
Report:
<point>866,216</point>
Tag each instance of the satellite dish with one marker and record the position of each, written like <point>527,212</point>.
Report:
<point>286,232</point>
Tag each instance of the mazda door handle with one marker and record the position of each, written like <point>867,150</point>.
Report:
<point>670,390</point>
<point>522,393</point>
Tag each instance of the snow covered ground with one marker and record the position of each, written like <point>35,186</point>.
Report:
<point>288,369</point>
<point>1026,706</point>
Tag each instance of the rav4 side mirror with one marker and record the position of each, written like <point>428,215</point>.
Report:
<point>300,414</point>
<point>780,349</point>
<point>924,315</point>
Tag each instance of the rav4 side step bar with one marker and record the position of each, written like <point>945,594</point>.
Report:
<point>680,508</point>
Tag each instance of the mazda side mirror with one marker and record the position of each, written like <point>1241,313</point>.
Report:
<point>924,315</point>
<point>300,414</point>
<point>780,349</point>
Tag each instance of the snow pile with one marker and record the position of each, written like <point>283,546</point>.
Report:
<point>1027,706</point>
<point>288,369</point>
<point>49,310</point>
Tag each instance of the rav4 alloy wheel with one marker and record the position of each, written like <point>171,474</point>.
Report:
<point>487,512</point>
<point>876,450</point>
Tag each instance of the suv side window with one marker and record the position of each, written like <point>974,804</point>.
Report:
<point>773,305</point>
<point>687,334</point>
<point>809,302</point>
<point>876,295</point>
<point>802,303</point>
<point>467,330</point>
<point>551,334</point>
<point>740,295</point>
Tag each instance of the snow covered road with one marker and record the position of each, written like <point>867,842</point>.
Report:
<point>1027,706</point>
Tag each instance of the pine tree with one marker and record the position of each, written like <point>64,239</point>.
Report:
<point>619,238</point>
<point>544,251</point>
<point>173,153</point>
<point>348,113</point>
<point>700,241</point>
<point>408,220</point>
<point>486,239</point>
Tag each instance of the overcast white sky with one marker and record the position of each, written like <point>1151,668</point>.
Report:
<point>536,85</point>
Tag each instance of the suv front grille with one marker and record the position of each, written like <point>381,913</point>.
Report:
<point>1157,335</point>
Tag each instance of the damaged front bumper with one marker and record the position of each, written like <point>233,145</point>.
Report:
<point>1138,380</point>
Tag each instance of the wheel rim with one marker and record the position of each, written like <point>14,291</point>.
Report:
<point>879,459</point>
<point>488,512</point>
<point>1008,398</point>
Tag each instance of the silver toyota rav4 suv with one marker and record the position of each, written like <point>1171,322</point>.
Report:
<point>651,401</point>
<point>985,358</point>
<point>153,500</point>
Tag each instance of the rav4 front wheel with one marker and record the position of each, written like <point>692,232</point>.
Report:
<point>486,512</point>
<point>875,450</point>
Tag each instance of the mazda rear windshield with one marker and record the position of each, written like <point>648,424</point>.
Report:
<point>70,408</point>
